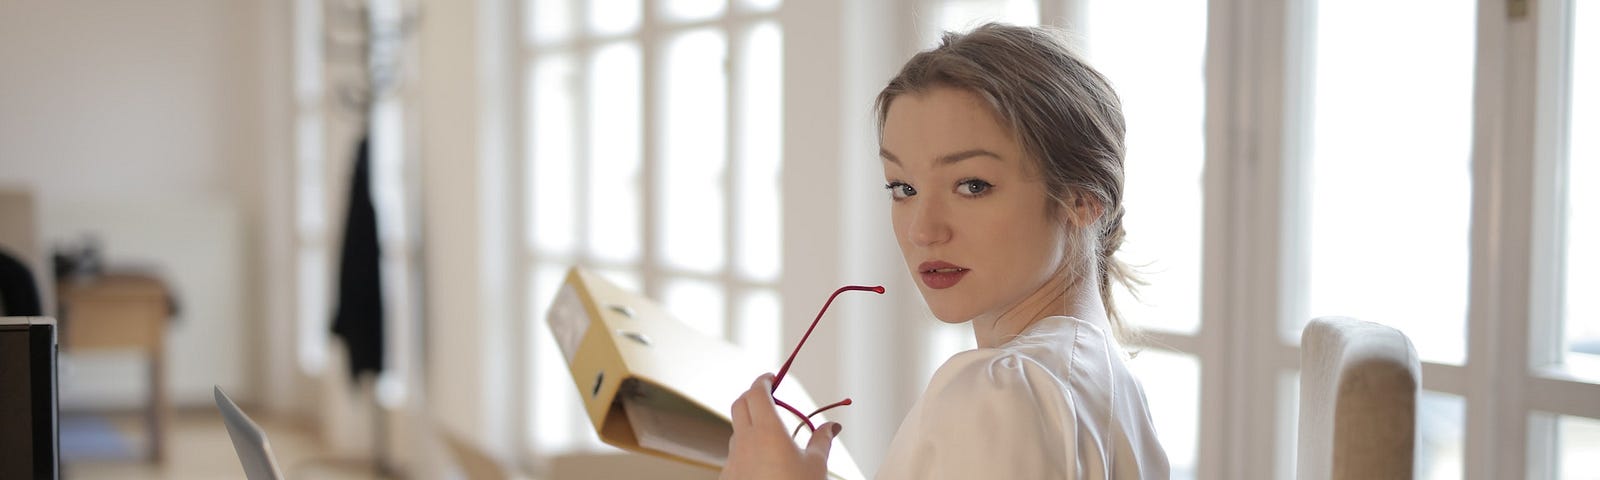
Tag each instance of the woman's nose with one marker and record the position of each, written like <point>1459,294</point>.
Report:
<point>929,223</point>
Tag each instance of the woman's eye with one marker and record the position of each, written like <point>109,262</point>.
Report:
<point>900,190</point>
<point>973,187</point>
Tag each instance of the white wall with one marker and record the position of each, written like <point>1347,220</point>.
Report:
<point>141,122</point>
<point>466,241</point>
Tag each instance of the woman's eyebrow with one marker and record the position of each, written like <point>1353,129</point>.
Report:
<point>966,154</point>
<point>947,158</point>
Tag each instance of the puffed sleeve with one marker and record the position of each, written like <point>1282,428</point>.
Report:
<point>988,414</point>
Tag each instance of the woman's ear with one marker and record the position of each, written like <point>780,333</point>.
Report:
<point>1079,210</point>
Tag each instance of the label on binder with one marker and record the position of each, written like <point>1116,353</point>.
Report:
<point>568,321</point>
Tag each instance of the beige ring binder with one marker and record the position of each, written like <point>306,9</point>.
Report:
<point>652,384</point>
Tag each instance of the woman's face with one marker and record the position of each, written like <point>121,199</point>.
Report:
<point>974,224</point>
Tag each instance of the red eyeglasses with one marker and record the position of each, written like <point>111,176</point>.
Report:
<point>806,419</point>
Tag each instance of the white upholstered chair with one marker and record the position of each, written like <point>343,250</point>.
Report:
<point>1359,383</point>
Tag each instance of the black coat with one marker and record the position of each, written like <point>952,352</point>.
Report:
<point>359,317</point>
<point>19,292</point>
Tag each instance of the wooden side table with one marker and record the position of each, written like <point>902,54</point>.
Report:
<point>123,311</point>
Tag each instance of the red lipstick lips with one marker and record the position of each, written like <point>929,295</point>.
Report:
<point>940,275</point>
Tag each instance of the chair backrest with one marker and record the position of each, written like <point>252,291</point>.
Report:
<point>19,235</point>
<point>1358,401</point>
<point>19,228</point>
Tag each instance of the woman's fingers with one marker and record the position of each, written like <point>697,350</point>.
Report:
<point>758,401</point>
<point>741,413</point>
<point>822,440</point>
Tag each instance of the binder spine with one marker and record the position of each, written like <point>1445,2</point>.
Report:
<point>588,364</point>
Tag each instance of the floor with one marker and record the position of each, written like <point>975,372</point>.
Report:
<point>199,448</point>
<point>112,447</point>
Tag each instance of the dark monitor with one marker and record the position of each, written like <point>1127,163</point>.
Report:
<point>29,441</point>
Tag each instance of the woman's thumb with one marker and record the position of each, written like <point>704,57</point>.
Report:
<point>822,439</point>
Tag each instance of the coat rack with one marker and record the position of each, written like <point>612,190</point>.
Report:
<point>371,35</point>
<point>364,49</point>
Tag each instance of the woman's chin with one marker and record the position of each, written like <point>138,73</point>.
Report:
<point>949,314</point>
<point>945,305</point>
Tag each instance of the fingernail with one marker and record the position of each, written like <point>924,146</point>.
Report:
<point>837,428</point>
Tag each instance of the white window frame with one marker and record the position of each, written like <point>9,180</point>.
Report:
<point>651,36</point>
<point>1253,246</point>
<point>1254,171</point>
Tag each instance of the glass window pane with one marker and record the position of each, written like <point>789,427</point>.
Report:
<point>614,149</point>
<point>310,191</point>
<point>311,282</point>
<point>549,20</point>
<point>1441,428</point>
<point>1580,442</point>
<point>386,138</point>
<point>694,134</point>
<point>1172,389</point>
<point>760,154</point>
<point>689,10</point>
<point>761,4</point>
<point>698,303</point>
<point>760,319</point>
<point>1582,316</point>
<point>553,226</point>
<point>555,412</point>
<point>607,17</point>
<point>1156,64</point>
<point>1390,187</point>
<point>963,15</point>
<point>944,341</point>
<point>308,42</point>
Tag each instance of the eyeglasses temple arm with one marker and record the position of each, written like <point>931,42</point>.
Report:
<point>803,418</point>
<point>786,363</point>
<point>830,406</point>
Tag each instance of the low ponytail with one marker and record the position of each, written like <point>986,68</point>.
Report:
<point>1113,269</point>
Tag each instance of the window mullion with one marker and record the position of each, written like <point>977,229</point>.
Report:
<point>524,316</point>
<point>1551,105</point>
<point>1553,76</point>
<point>1497,431</point>
<point>583,56</point>
<point>733,137</point>
<point>650,272</point>
<point>1221,75</point>
<point>1067,14</point>
<point>1266,208</point>
<point>1229,385</point>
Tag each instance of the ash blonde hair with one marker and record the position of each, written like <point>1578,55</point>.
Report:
<point>1063,113</point>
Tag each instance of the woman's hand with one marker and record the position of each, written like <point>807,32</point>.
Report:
<point>761,447</point>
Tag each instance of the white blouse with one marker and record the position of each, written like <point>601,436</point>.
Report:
<point>1054,402</point>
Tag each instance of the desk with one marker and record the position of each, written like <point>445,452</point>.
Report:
<point>123,311</point>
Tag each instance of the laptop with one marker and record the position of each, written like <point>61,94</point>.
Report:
<point>249,441</point>
<point>30,439</point>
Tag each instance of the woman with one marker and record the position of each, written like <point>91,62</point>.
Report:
<point>1002,152</point>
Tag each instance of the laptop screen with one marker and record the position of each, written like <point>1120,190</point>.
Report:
<point>28,434</point>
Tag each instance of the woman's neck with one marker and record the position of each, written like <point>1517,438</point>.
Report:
<point>1060,296</point>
